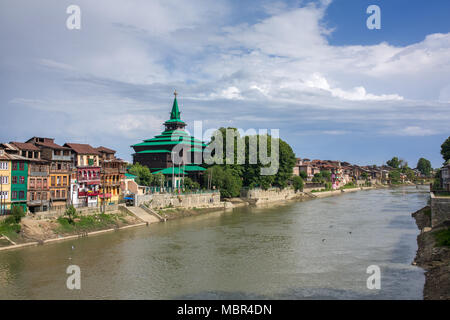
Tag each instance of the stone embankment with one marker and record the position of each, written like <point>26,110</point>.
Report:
<point>434,259</point>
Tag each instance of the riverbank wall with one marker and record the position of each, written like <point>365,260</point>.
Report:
<point>440,210</point>
<point>431,257</point>
<point>260,196</point>
<point>185,201</point>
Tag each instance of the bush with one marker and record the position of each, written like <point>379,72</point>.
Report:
<point>71,213</point>
<point>443,237</point>
<point>17,213</point>
<point>298,183</point>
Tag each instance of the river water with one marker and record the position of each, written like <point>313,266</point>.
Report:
<point>317,249</point>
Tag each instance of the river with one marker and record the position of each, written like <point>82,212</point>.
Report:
<point>317,249</point>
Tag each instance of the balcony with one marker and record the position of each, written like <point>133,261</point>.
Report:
<point>88,193</point>
<point>39,173</point>
<point>37,202</point>
<point>89,181</point>
<point>61,158</point>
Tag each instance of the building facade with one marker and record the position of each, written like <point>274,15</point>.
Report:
<point>60,167</point>
<point>85,189</point>
<point>112,175</point>
<point>5,182</point>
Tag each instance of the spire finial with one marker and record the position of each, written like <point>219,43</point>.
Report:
<point>175,93</point>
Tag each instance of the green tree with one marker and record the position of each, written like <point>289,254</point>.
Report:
<point>364,175</point>
<point>17,213</point>
<point>437,180</point>
<point>445,150</point>
<point>298,183</point>
<point>303,175</point>
<point>424,166</point>
<point>394,175</point>
<point>394,163</point>
<point>326,175</point>
<point>227,180</point>
<point>144,176</point>
<point>158,179</point>
<point>71,213</point>
<point>190,184</point>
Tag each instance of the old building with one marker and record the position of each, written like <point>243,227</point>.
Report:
<point>38,195</point>
<point>445,176</point>
<point>112,175</point>
<point>85,188</point>
<point>158,153</point>
<point>19,175</point>
<point>5,182</point>
<point>60,166</point>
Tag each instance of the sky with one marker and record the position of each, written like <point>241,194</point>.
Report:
<point>312,69</point>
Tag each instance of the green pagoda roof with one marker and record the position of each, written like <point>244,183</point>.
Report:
<point>174,170</point>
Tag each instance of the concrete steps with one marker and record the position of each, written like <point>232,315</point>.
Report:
<point>142,214</point>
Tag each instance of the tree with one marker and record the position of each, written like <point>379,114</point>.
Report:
<point>144,176</point>
<point>158,179</point>
<point>71,213</point>
<point>394,163</point>
<point>364,175</point>
<point>190,184</point>
<point>326,174</point>
<point>445,150</point>
<point>17,213</point>
<point>394,175</point>
<point>226,179</point>
<point>298,183</point>
<point>303,175</point>
<point>424,166</point>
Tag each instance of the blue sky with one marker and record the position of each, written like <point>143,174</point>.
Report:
<point>335,89</point>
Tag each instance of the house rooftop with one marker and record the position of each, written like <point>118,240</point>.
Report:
<point>25,146</point>
<point>82,148</point>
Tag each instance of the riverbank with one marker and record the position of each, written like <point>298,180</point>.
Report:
<point>433,257</point>
<point>41,231</point>
<point>35,232</point>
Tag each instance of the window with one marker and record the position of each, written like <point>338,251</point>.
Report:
<point>45,183</point>
<point>58,181</point>
<point>21,180</point>
<point>4,195</point>
<point>14,195</point>
<point>21,194</point>
<point>44,196</point>
<point>65,181</point>
<point>4,180</point>
<point>63,194</point>
<point>14,166</point>
<point>57,194</point>
<point>52,194</point>
<point>14,180</point>
<point>22,166</point>
<point>59,166</point>
<point>53,181</point>
<point>3,165</point>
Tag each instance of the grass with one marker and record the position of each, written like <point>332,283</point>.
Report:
<point>10,229</point>
<point>443,238</point>
<point>89,223</point>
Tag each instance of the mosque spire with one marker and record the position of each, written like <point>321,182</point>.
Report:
<point>175,113</point>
